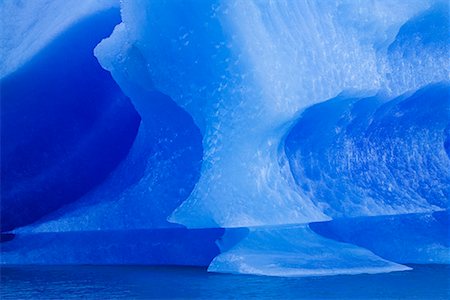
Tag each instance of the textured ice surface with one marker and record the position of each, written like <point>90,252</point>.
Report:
<point>413,238</point>
<point>297,251</point>
<point>374,156</point>
<point>245,69</point>
<point>419,53</point>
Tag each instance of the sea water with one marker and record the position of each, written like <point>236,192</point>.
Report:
<point>109,282</point>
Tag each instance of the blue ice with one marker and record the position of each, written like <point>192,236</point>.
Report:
<point>285,138</point>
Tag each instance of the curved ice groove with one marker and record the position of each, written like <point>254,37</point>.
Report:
<point>22,21</point>
<point>56,130</point>
<point>158,173</point>
<point>243,69</point>
<point>372,156</point>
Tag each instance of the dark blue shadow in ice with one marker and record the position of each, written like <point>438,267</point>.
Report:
<point>375,156</point>
<point>65,124</point>
<point>175,246</point>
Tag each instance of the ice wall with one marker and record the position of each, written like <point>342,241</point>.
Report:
<point>157,175</point>
<point>177,246</point>
<point>240,81</point>
<point>412,238</point>
<point>244,70</point>
<point>419,53</point>
<point>65,123</point>
<point>374,156</point>
<point>82,126</point>
<point>88,175</point>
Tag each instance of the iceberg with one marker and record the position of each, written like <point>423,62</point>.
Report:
<point>245,69</point>
<point>281,138</point>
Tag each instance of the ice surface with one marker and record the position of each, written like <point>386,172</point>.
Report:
<point>29,25</point>
<point>83,126</point>
<point>419,53</point>
<point>244,70</point>
<point>374,156</point>
<point>297,251</point>
<point>412,238</point>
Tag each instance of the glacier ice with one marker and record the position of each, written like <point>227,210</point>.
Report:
<point>297,135</point>
<point>421,47</point>
<point>158,173</point>
<point>175,246</point>
<point>28,26</point>
<point>243,70</point>
<point>297,251</point>
<point>61,112</point>
<point>411,238</point>
<point>336,146</point>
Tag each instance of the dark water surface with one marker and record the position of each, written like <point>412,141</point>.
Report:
<point>108,282</point>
